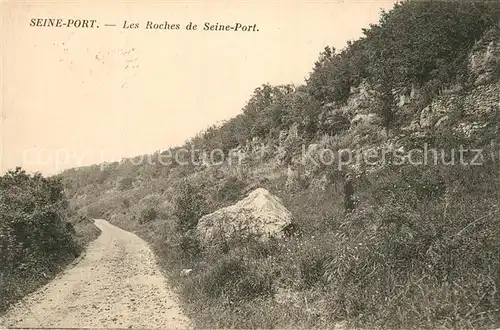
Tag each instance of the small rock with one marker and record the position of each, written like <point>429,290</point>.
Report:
<point>186,272</point>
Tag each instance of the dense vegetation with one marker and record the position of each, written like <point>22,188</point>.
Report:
<point>422,247</point>
<point>419,43</point>
<point>36,237</point>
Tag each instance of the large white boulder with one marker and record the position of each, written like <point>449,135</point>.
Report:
<point>260,215</point>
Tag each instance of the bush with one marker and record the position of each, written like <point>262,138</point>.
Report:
<point>333,122</point>
<point>35,238</point>
<point>125,183</point>
<point>189,207</point>
<point>190,245</point>
<point>231,190</point>
<point>126,202</point>
<point>148,214</point>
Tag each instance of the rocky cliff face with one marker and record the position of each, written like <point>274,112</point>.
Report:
<point>460,108</point>
<point>480,101</point>
<point>484,59</point>
<point>483,72</point>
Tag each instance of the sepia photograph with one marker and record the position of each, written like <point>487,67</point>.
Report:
<point>283,164</point>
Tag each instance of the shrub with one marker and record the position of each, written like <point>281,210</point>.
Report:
<point>126,202</point>
<point>189,207</point>
<point>34,235</point>
<point>95,211</point>
<point>231,189</point>
<point>125,183</point>
<point>190,245</point>
<point>333,122</point>
<point>70,227</point>
<point>148,214</point>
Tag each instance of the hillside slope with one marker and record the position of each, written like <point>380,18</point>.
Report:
<point>413,119</point>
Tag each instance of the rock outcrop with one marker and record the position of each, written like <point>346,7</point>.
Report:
<point>369,119</point>
<point>260,215</point>
<point>485,59</point>
<point>481,101</point>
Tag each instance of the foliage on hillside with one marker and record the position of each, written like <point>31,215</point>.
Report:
<point>418,43</point>
<point>422,247</point>
<point>36,237</point>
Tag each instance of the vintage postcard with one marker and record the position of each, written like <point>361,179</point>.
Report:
<point>250,164</point>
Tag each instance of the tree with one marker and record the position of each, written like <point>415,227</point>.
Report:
<point>332,76</point>
<point>265,109</point>
<point>382,76</point>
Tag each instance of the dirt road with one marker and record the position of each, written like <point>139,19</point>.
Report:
<point>116,285</point>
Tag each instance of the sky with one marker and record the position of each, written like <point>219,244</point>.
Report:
<point>78,96</point>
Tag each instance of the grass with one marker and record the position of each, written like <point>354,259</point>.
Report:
<point>409,256</point>
<point>421,249</point>
<point>85,230</point>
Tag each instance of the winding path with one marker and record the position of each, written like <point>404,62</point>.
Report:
<point>117,284</point>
